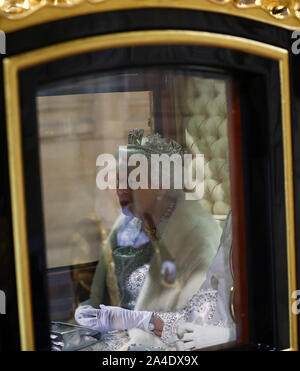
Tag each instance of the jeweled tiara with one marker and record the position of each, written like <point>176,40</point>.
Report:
<point>153,143</point>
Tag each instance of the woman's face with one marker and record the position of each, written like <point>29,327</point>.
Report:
<point>142,203</point>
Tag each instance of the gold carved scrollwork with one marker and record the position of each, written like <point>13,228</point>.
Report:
<point>15,9</point>
<point>281,13</point>
<point>280,9</point>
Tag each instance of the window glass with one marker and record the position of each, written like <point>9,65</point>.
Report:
<point>137,210</point>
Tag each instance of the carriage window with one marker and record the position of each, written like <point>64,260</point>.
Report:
<point>136,184</point>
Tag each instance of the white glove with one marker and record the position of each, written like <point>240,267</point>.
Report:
<point>109,318</point>
<point>195,336</point>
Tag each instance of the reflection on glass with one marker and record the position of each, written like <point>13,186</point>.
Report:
<point>145,258</point>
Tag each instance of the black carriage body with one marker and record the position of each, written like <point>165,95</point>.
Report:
<point>262,148</point>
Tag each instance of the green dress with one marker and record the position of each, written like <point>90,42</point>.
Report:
<point>113,270</point>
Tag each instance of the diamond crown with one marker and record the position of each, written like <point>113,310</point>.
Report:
<point>153,143</point>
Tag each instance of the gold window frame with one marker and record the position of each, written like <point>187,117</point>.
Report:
<point>12,66</point>
<point>285,14</point>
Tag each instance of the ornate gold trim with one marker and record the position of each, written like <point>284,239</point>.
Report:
<point>18,14</point>
<point>19,215</point>
<point>13,119</point>
<point>289,193</point>
<point>111,278</point>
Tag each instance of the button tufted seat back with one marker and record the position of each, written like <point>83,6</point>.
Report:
<point>202,112</point>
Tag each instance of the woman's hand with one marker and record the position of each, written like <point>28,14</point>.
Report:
<point>195,336</point>
<point>109,318</point>
<point>158,326</point>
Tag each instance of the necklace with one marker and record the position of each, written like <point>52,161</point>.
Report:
<point>152,230</point>
<point>168,211</point>
<point>165,216</point>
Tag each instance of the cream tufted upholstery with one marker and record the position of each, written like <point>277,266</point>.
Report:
<point>203,114</point>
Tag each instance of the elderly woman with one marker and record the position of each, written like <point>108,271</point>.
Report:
<point>184,240</point>
<point>206,320</point>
